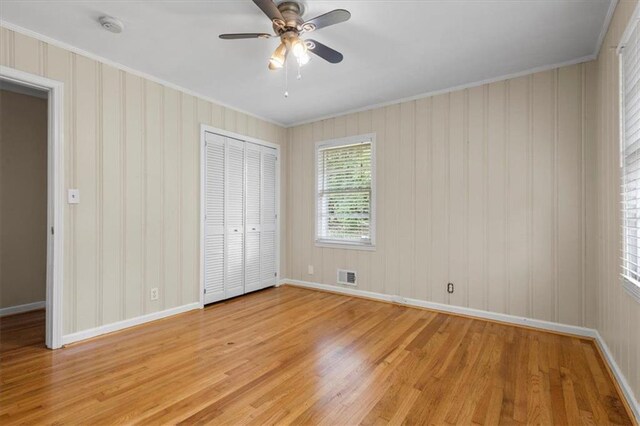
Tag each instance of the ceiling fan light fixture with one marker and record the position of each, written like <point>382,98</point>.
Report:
<point>304,59</point>
<point>278,57</point>
<point>298,48</point>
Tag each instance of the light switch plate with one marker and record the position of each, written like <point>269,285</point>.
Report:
<point>73,196</point>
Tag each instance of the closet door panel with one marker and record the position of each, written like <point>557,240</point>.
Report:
<point>214,218</point>
<point>269,219</point>
<point>252,269</point>
<point>252,221</point>
<point>234,215</point>
<point>234,283</point>
<point>268,258</point>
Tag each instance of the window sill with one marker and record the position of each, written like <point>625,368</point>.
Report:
<point>345,246</point>
<point>632,289</point>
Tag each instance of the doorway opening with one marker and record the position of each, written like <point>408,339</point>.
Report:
<point>31,166</point>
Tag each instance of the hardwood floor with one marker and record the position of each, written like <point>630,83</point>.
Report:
<point>291,355</point>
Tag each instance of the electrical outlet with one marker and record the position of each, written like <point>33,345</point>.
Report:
<point>155,293</point>
<point>450,288</point>
<point>310,270</point>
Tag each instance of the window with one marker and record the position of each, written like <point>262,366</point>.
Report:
<point>630,158</point>
<point>345,192</point>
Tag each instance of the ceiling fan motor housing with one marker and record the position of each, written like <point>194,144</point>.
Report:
<point>292,13</point>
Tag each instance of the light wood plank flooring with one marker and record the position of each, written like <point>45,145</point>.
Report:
<point>290,355</point>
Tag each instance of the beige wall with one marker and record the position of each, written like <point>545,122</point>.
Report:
<point>132,148</point>
<point>618,319</point>
<point>481,187</point>
<point>23,199</point>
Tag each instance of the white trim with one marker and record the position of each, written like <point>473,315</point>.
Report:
<point>203,162</point>
<point>346,141</point>
<point>55,196</point>
<point>11,310</point>
<point>635,16</point>
<point>238,136</point>
<point>77,50</point>
<point>345,246</point>
<point>448,90</point>
<point>633,289</point>
<point>204,129</point>
<point>622,380</point>
<point>460,310</point>
<point>605,27</point>
<point>278,211</point>
<point>131,322</point>
<point>23,90</point>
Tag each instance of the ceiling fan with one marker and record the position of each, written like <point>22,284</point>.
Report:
<point>288,25</point>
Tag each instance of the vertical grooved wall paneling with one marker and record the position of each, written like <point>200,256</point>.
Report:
<point>479,187</point>
<point>132,147</point>
<point>617,314</point>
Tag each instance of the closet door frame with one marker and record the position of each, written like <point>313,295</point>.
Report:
<point>204,129</point>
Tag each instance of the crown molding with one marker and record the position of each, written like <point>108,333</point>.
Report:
<point>82,52</point>
<point>451,89</point>
<point>605,27</point>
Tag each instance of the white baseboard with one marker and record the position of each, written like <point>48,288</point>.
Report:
<point>109,328</point>
<point>460,310</point>
<point>22,308</point>
<point>510,319</point>
<point>622,380</point>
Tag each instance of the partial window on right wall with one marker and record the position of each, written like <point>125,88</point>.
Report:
<point>629,51</point>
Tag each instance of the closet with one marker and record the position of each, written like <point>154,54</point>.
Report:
<point>240,217</point>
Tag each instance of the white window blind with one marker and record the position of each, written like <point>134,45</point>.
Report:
<point>630,159</point>
<point>345,192</point>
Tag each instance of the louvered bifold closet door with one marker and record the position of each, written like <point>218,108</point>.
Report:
<point>269,220</point>
<point>252,221</point>
<point>235,174</point>
<point>214,223</point>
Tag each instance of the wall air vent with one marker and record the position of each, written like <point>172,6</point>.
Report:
<point>347,277</point>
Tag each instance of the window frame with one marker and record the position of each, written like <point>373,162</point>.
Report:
<point>334,143</point>
<point>631,286</point>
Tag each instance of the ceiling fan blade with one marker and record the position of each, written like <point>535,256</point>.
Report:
<point>240,36</point>
<point>329,18</point>
<point>270,9</point>
<point>326,53</point>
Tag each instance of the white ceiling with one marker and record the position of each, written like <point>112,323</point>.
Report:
<point>393,49</point>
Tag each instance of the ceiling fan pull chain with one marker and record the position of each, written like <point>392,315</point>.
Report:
<point>299,76</point>
<point>286,80</point>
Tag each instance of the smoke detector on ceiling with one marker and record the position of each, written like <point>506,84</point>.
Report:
<point>111,24</point>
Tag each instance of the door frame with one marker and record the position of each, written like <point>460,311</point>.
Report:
<point>204,129</point>
<point>55,196</point>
